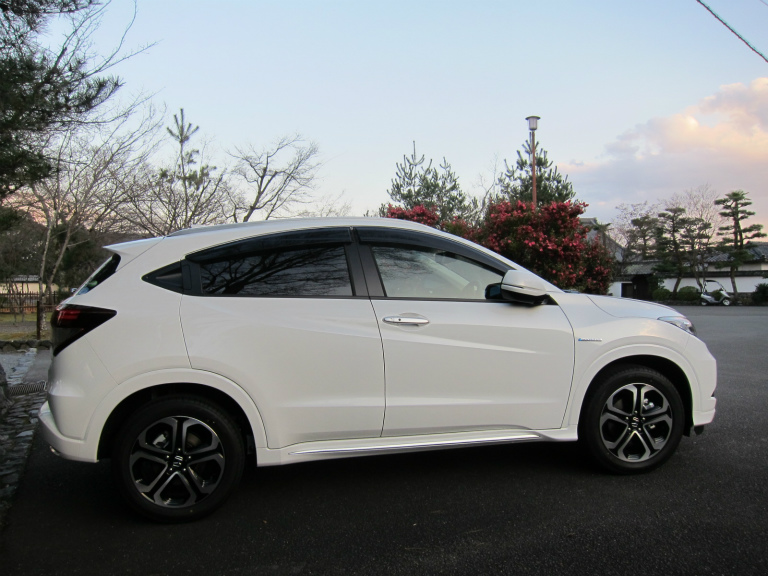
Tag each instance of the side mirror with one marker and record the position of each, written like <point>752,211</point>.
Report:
<point>523,287</point>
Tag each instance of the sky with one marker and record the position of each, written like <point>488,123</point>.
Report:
<point>638,100</point>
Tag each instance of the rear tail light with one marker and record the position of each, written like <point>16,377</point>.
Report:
<point>70,321</point>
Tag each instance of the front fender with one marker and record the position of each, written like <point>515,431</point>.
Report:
<point>585,377</point>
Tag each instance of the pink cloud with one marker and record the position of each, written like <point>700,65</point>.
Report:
<point>722,140</point>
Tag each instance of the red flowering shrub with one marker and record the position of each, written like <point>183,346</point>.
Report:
<point>550,240</point>
<point>597,269</point>
<point>419,214</point>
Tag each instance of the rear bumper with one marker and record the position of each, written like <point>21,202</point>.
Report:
<point>68,448</point>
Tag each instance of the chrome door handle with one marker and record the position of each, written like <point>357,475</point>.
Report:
<point>405,321</point>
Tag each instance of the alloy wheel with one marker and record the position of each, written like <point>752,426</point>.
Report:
<point>177,461</point>
<point>636,422</point>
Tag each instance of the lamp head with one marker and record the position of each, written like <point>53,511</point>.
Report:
<point>533,123</point>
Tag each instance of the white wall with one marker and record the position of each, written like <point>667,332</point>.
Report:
<point>744,284</point>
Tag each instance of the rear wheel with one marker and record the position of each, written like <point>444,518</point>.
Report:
<point>178,458</point>
<point>633,421</point>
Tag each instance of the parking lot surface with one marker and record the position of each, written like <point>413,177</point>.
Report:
<point>521,509</point>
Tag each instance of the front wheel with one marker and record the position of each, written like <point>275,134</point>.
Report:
<point>178,458</point>
<point>726,301</point>
<point>633,421</point>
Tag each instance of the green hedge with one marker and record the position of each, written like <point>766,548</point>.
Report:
<point>688,294</point>
<point>760,295</point>
<point>661,294</point>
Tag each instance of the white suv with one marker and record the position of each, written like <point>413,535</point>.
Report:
<point>298,340</point>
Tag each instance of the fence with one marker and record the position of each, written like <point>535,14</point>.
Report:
<point>23,303</point>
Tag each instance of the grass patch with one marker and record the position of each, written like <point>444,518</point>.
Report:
<point>15,329</point>
<point>11,319</point>
<point>25,335</point>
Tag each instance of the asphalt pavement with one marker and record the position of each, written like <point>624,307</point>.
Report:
<point>520,509</point>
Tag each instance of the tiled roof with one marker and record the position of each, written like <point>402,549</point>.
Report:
<point>757,250</point>
<point>640,268</point>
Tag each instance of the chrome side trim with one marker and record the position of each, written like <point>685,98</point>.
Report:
<point>417,445</point>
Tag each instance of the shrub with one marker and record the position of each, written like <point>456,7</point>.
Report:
<point>760,295</point>
<point>661,294</point>
<point>688,294</point>
<point>654,283</point>
<point>549,240</point>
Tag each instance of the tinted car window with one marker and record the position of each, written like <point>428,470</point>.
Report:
<point>302,271</point>
<point>425,273</point>
<point>100,275</point>
<point>169,277</point>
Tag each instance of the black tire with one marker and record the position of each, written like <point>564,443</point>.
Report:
<point>726,301</point>
<point>632,421</point>
<point>178,458</point>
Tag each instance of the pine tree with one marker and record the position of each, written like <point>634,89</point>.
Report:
<point>417,183</point>
<point>736,236</point>
<point>516,183</point>
<point>187,193</point>
<point>43,90</point>
<point>670,248</point>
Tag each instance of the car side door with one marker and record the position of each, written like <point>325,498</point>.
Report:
<point>287,317</point>
<point>454,360</point>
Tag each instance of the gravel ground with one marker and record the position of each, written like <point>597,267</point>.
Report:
<point>16,364</point>
<point>17,423</point>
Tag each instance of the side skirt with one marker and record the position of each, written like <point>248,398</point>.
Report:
<point>331,449</point>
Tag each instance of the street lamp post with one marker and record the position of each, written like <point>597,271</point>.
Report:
<point>533,123</point>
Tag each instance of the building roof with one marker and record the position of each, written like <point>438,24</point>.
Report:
<point>640,268</point>
<point>758,252</point>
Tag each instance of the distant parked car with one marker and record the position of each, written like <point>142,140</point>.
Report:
<point>299,340</point>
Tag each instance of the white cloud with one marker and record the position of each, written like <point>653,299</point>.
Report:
<point>721,141</point>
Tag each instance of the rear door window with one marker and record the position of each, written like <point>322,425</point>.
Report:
<point>305,271</point>
<point>309,263</point>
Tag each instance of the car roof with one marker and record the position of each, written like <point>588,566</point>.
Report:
<point>289,224</point>
<point>198,237</point>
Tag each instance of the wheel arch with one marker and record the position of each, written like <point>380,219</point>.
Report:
<point>663,365</point>
<point>129,396</point>
<point>133,402</point>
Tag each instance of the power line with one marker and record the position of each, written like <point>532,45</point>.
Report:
<point>763,1</point>
<point>739,36</point>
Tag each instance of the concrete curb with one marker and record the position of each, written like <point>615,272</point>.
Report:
<point>16,345</point>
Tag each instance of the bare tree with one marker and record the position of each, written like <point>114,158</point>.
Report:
<point>487,183</point>
<point>85,191</point>
<point>327,206</point>
<point>275,179</point>
<point>189,193</point>
<point>634,229</point>
<point>699,203</point>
